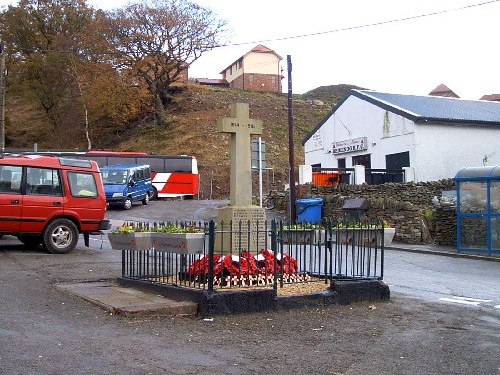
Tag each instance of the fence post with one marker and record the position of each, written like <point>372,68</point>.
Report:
<point>409,174</point>
<point>359,174</point>
<point>274,249</point>
<point>211,245</point>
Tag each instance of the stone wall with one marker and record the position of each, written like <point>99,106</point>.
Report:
<point>445,230</point>
<point>410,208</point>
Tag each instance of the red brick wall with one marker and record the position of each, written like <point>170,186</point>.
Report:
<point>183,76</point>
<point>257,82</point>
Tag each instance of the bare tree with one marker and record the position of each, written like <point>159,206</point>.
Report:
<point>159,39</point>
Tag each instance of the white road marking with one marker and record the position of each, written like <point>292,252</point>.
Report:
<point>497,307</point>
<point>465,301</point>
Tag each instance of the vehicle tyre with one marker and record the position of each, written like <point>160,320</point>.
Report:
<point>60,236</point>
<point>145,201</point>
<point>29,241</point>
<point>153,195</point>
<point>128,203</point>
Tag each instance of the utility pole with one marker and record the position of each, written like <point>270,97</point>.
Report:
<point>2,96</point>
<point>291,155</point>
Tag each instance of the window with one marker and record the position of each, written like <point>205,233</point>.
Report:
<point>140,174</point>
<point>362,160</point>
<point>341,163</point>
<point>10,179</point>
<point>82,185</point>
<point>147,173</point>
<point>397,161</point>
<point>118,177</point>
<point>43,181</point>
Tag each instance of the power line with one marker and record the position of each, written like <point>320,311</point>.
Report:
<point>349,28</point>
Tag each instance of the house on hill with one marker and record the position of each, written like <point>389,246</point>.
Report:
<point>443,90</point>
<point>491,97</point>
<point>259,70</point>
<point>431,135</point>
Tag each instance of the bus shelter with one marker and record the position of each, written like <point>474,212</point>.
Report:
<point>478,209</point>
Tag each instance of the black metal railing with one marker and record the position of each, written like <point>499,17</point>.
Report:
<point>381,176</point>
<point>269,254</point>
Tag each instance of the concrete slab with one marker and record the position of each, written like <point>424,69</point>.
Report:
<point>125,301</point>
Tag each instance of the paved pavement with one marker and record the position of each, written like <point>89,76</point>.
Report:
<point>128,301</point>
<point>120,300</point>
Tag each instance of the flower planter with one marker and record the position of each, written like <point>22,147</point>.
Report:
<point>364,236</point>
<point>303,236</point>
<point>389,235</point>
<point>182,243</point>
<point>138,241</point>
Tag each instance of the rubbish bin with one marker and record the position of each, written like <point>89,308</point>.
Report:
<point>309,210</point>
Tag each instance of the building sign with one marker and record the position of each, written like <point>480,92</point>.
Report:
<point>350,145</point>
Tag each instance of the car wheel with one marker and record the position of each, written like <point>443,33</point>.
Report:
<point>128,203</point>
<point>153,195</point>
<point>30,241</point>
<point>145,201</point>
<point>60,236</point>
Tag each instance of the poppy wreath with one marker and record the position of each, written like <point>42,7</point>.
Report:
<point>245,265</point>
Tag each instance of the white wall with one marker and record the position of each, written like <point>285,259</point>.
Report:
<point>261,63</point>
<point>444,149</point>
<point>436,150</point>
<point>236,72</point>
<point>357,118</point>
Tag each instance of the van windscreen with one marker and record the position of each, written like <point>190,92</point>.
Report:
<point>114,177</point>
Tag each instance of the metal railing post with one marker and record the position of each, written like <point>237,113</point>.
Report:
<point>211,246</point>
<point>274,249</point>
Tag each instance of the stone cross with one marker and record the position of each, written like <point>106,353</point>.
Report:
<point>241,127</point>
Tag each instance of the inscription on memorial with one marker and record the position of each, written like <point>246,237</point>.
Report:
<point>247,228</point>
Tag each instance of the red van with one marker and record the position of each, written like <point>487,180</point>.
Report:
<point>49,200</point>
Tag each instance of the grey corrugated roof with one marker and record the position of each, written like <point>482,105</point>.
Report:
<point>422,109</point>
<point>435,108</point>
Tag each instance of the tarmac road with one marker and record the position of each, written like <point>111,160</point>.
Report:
<point>45,330</point>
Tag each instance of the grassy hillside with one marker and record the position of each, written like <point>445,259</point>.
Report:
<point>192,129</point>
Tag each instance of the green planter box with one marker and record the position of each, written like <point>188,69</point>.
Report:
<point>303,236</point>
<point>140,241</point>
<point>362,235</point>
<point>182,243</point>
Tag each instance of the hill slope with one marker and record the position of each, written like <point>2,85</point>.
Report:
<point>192,129</point>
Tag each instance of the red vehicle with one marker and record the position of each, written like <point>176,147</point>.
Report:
<point>172,176</point>
<point>50,200</point>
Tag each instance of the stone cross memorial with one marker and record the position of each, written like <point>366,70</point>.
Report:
<point>241,226</point>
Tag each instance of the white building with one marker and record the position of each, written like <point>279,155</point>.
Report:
<point>434,136</point>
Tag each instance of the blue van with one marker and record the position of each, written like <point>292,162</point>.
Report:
<point>127,183</point>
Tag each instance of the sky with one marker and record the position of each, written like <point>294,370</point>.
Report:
<point>458,47</point>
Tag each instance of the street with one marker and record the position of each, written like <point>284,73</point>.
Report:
<point>440,279</point>
<point>443,318</point>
